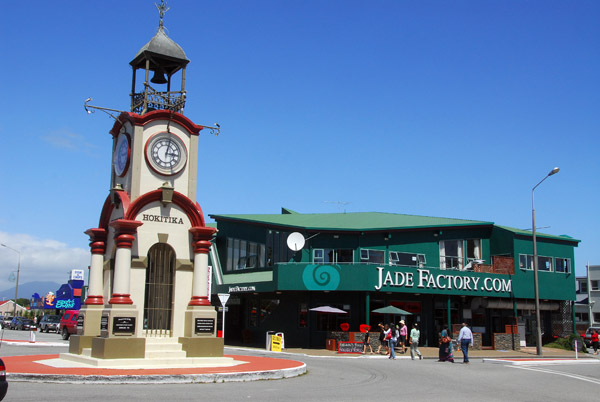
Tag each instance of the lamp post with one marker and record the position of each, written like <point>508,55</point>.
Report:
<point>535,267</point>
<point>18,271</point>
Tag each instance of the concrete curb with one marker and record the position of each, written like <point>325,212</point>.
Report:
<point>35,344</point>
<point>162,378</point>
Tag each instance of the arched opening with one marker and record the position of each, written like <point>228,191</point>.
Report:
<point>158,301</point>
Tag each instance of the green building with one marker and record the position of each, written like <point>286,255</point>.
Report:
<point>440,270</point>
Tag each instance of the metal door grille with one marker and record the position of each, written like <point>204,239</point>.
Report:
<point>158,304</point>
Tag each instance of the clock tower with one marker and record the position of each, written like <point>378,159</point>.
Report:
<point>149,275</point>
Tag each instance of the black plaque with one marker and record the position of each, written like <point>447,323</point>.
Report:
<point>80,321</point>
<point>123,325</point>
<point>350,347</point>
<point>204,325</point>
<point>104,323</point>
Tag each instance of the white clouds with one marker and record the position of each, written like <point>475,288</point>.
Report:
<point>41,259</point>
<point>65,139</point>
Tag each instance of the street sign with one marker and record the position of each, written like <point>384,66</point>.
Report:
<point>223,297</point>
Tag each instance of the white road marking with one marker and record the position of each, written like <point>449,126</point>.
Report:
<point>545,370</point>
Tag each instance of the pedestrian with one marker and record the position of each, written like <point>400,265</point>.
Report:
<point>382,341</point>
<point>595,341</point>
<point>445,354</point>
<point>403,334</point>
<point>415,334</point>
<point>367,342</point>
<point>387,332</point>
<point>465,338</point>
<point>393,340</point>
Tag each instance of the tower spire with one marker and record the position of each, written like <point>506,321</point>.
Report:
<point>162,9</point>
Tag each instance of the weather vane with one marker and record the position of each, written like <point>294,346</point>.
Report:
<point>162,9</point>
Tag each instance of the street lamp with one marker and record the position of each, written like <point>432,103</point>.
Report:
<point>535,267</point>
<point>18,271</point>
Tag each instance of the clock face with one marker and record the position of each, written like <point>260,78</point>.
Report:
<point>166,153</point>
<point>121,155</point>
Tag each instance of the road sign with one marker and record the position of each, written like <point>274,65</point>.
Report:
<point>223,297</point>
<point>220,309</point>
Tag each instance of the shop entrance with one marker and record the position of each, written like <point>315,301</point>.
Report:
<point>158,301</point>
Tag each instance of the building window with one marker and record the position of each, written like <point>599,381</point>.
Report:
<point>563,265</point>
<point>451,254</point>
<point>407,259</point>
<point>583,287</point>
<point>333,256</point>
<point>277,249</point>
<point>581,317</point>
<point>545,263</point>
<point>594,285</point>
<point>526,262</point>
<point>243,254</point>
<point>372,256</point>
<point>473,249</point>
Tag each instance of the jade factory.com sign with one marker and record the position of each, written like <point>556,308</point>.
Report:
<point>363,277</point>
<point>424,279</point>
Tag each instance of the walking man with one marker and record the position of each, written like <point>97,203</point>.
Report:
<point>465,338</point>
<point>415,334</point>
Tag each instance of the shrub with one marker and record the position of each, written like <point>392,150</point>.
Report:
<point>567,342</point>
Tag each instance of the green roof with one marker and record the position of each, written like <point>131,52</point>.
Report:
<point>529,233</point>
<point>356,221</point>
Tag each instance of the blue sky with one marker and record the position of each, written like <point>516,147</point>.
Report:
<point>451,109</point>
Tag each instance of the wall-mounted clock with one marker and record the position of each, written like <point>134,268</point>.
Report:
<point>166,153</point>
<point>121,155</point>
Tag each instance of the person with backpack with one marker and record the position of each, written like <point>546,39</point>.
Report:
<point>415,334</point>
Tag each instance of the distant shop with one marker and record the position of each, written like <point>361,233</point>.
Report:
<point>67,297</point>
<point>440,271</point>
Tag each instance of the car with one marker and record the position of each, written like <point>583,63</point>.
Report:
<point>6,321</point>
<point>49,323</point>
<point>3,383</point>
<point>22,323</point>
<point>68,323</point>
<point>588,335</point>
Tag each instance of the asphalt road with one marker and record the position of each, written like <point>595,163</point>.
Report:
<point>338,379</point>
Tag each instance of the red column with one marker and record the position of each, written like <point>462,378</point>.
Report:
<point>201,242</point>
<point>98,248</point>
<point>125,231</point>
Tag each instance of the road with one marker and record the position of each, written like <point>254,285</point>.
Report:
<point>363,378</point>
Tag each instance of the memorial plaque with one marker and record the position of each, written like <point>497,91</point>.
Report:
<point>104,323</point>
<point>204,325</point>
<point>123,325</point>
<point>80,319</point>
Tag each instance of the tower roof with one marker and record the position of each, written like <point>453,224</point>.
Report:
<point>162,52</point>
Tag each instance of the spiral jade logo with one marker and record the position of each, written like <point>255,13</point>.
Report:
<point>321,277</point>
